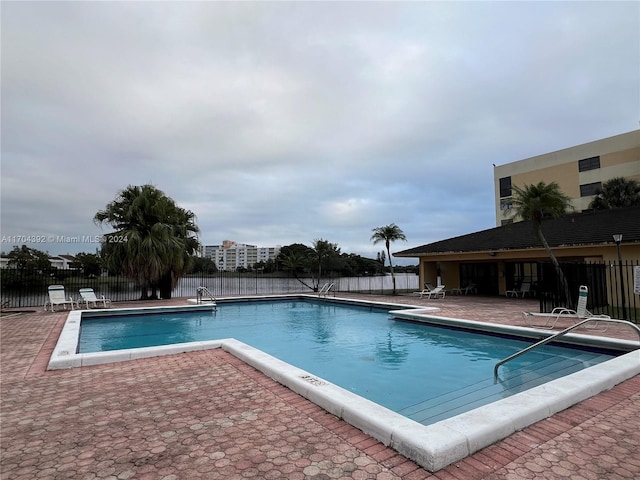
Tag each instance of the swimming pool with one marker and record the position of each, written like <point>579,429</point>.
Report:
<point>433,446</point>
<point>423,371</point>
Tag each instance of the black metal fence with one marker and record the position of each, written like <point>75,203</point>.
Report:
<point>610,284</point>
<point>24,288</point>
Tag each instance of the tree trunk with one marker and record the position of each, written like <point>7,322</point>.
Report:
<point>154,292</point>
<point>165,286</point>
<point>295,275</point>
<point>317,283</point>
<point>393,277</point>
<point>144,294</point>
<point>556,264</point>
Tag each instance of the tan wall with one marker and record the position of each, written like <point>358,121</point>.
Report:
<point>428,273</point>
<point>617,164</point>
<point>619,157</point>
<point>604,147</point>
<point>450,274</point>
<point>564,175</point>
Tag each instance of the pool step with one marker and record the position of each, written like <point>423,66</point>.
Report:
<point>512,381</point>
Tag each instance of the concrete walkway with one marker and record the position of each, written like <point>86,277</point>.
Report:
<point>207,415</point>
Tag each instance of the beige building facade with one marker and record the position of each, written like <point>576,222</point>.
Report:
<point>580,171</point>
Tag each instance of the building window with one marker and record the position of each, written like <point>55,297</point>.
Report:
<point>589,164</point>
<point>505,187</point>
<point>506,204</point>
<point>589,189</point>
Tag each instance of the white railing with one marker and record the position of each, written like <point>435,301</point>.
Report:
<point>204,292</point>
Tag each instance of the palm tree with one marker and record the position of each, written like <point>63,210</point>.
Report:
<point>388,234</point>
<point>323,252</point>
<point>153,240</point>
<point>536,202</point>
<point>618,192</point>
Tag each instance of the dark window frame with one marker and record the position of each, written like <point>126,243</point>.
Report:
<point>589,189</point>
<point>586,164</point>
<point>506,204</point>
<point>505,190</point>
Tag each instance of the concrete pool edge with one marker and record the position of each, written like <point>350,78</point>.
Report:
<point>516,331</point>
<point>434,446</point>
<point>440,444</point>
<point>65,353</point>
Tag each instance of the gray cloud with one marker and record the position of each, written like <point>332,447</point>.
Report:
<point>282,122</point>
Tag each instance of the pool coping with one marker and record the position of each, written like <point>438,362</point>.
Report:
<point>433,446</point>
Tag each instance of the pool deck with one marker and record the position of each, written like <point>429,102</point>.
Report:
<point>208,415</point>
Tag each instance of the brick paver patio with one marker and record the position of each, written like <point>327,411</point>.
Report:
<point>207,415</point>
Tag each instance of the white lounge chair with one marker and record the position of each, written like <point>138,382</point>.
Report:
<point>89,296</point>
<point>580,313</point>
<point>427,288</point>
<point>437,292</point>
<point>57,296</point>
<point>471,288</point>
<point>525,289</point>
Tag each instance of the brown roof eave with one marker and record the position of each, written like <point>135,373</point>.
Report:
<point>580,230</point>
<point>492,251</point>
<point>451,252</point>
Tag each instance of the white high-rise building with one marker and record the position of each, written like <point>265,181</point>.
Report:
<point>232,255</point>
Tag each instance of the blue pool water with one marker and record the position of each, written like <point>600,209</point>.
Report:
<point>422,371</point>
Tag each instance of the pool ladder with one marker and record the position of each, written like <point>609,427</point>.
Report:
<point>204,292</point>
<point>559,334</point>
<point>324,290</point>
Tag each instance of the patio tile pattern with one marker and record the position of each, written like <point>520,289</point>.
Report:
<point>207,415</point>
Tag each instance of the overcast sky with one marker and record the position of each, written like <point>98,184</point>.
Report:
<point>285,122</point>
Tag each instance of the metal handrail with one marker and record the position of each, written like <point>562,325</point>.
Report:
<point>204,291</point>
<point>324,291</point>
<point>559,334</point>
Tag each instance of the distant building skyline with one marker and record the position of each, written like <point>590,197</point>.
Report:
<point>231,255</point>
